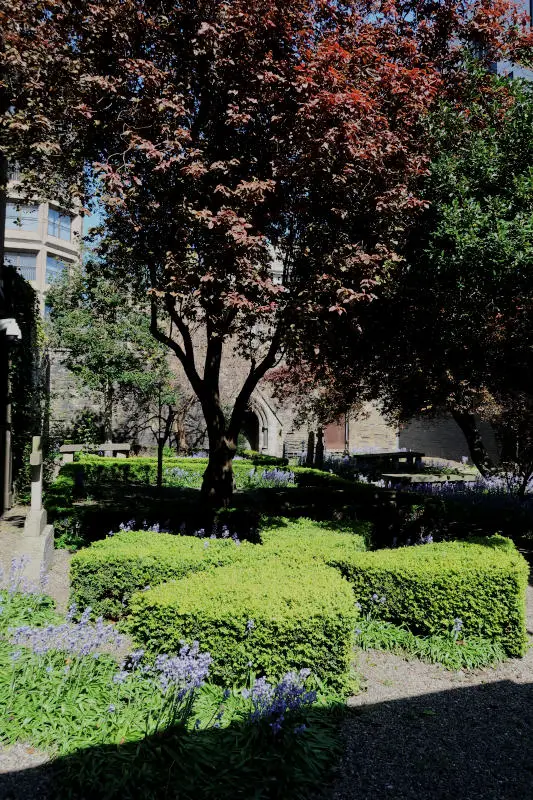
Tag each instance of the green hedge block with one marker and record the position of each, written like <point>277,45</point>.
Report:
<point>482,582</point>
<point>322,541</point>
<point>307,476</point>
<point>263,459</point>
<point>106,574</point>
<point>59,497</point>
<point>303,616</point>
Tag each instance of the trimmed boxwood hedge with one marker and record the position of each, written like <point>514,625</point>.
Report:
<point>138,471</point>
<point>303,616</point>
<point>307,538</point>
<point>105,575</point>
<point>482,582</point>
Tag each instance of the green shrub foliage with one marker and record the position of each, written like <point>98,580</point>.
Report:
<point>266,618</point>
<point>137,471</point>
<point>263,459</point>
<point>482,582</point>
<point>105,575</point>
<point>322,541</point>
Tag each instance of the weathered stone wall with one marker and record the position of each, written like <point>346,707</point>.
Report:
<point>442,438</point>
<point>67,399</point>
<point>274,429</point>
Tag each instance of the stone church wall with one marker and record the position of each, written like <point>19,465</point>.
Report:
<point>270,427</point>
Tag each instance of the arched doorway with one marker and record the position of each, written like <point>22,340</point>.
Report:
<point>250,429</point>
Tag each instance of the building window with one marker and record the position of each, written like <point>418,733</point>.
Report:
<point>25,263</point>
<point>14,173</point>
<point>59,224</point>
<point>23,217</point>
<point>55,265</point>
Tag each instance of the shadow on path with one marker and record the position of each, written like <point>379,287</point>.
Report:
<point>472,743</point>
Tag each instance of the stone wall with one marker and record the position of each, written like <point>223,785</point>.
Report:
<point>270,427</point>
<point>442,438</point>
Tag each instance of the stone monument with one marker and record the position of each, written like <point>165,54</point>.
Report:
<point>38,535</point>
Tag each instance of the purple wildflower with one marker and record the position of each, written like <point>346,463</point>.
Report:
<point>272,703</point>
<point>79,638</point>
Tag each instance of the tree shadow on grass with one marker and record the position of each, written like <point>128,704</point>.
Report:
<point>241,762</point>
<point>469,743</point>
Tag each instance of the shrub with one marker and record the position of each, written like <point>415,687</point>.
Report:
<point>59,497</point>
<point>263,459</point>
<point>105,575</point>
<point>267,613</point>
<point>482,582</point>
<point>306,476</point>
<point>322,541</point>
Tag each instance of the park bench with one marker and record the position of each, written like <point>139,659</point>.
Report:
<point>116,450</point>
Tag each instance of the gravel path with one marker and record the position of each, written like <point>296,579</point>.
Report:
<point>419,732</point>
<point>12,545</point>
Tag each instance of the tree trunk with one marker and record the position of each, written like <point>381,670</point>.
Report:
<point>319,450</point>
<point>217,483</point>
<point>478,452</point>
<point>108,414</point>
<point>160,448</point>
<point>310,456</point>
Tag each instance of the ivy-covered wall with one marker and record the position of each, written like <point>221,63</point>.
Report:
<point>28,376</point>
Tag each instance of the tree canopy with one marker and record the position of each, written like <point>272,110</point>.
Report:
<point>227,138</point>
<point>453,332</point>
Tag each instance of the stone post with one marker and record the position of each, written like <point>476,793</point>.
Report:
<point>36,516</point>
<point>38,539</point>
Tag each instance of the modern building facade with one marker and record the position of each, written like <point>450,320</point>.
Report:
<point>41,238</point>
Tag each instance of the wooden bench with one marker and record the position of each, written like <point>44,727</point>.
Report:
<point>116,450</point>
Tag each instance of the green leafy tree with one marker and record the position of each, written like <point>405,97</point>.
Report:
<point>107,344</point>
<point>453,332</point>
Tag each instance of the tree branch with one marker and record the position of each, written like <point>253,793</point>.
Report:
<point>188,365</point>
<point>253,378</point>
<point>183,329</point>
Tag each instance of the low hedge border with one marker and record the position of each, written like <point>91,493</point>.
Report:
<point>264,618</point>
<point>482,582</point>
<point>91,471</point>
<point>105,575</point>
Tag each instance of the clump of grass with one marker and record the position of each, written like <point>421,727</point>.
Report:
<point>447,649</point>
